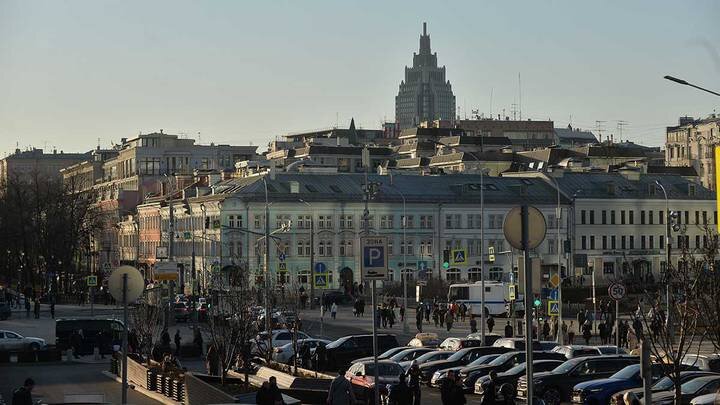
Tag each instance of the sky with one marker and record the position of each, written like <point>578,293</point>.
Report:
<point>73,73</point>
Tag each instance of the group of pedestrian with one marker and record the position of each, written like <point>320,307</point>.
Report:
<point>359,307</point>
<point>386,316</point>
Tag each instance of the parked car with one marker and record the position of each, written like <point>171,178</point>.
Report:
<point>611,349</point>
<point>427,357</point>
<point>664,384</point>
<point>512,375</point>
<point>696,387</point>
<point>382,356</point>
<point>13,341</point>
<point>202,311</point>
<point>425,340</point>
<point>441,375</point>
<point>286,353</point>
<point>280,337</point>
<point>556,386</point>
<point>181,311</point>
<point>601,390</point>
<point>454,344</point>
<point>490,338</point>
<point>363,373</point>
<point>516,344</point>
<point>459,358</point>
<point>573,351</point>
<point>5,310</point>
<point>707,399</point>
<point>704,362</point>
<point>504,362</point>
<point>341,352</point>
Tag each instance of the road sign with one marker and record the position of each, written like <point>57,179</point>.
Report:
<point>320,280</point>
<point>616,291</point>
<point>161,252</point>
<point>282,266</point>
<point>281,256</point>
<point>553,308</point>
<point>165,271</point>
<point>491,250</point>
<point>458,257</point>
<point>512,227</point>
<point>511,292</point>
<point>421,265</point>
<point>491,258</point>
<point>553,294</point>
<point>92,281</point>
<point>374,257</point>
<point>555,280</point>
<point>320,268</point>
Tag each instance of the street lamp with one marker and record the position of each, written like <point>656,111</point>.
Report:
<point>685,83</point>
<point>558,214</point>
<point>668,251</point>
<point>403,273</point>
<point>312,253</point>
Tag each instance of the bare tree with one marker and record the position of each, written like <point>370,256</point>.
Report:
<point>710,288</point>
<point>145,321</point>
<point>671,327</point>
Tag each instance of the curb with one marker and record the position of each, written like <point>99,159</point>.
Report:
<point>150,394</point>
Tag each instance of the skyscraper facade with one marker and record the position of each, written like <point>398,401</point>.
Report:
<point>424,95</point>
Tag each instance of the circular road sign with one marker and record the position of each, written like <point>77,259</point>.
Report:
<point>512,227</point>
<point>135,283</point>
<point>616,291</point>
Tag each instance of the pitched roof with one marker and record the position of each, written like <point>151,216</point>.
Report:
<point>617,186</point>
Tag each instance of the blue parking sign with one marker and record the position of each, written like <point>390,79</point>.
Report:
<point>374,257</point>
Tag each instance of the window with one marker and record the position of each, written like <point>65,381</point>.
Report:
<point>704,218</point>
<point>697,217</point>
<point>612,217</point>
<point>662,241</point>
<point>426,247</point>
<point>303,277</point>
<point>426,221</point>
<point>386,221</point>
<point>631,217</point>
<point>604,217</point>
<point>592,241</point>
<point>608,267</point>
<point>231,221</point>
<point>407,248</point>
<point>697,242</point>
<point>622,217</point>
<point>632,242</point>
<point>474,221</point>
<point>474,274</point>
<point>651,242</point>
<point>495,221</point>
<point>623,246</point>
<point>551,246</point>
<point>496,273</point>
<point>651,217</point>
<point>325,222</point>
<point>409,222</point>
<point>604,242</point>
<point>592,217</point>
<point>452,221</point>
<point>259,221</point>
<point>661,217</point>
<point>642,217</point>
<point>612,242</point>
<point>642,241</point>
<point>346,222</point>
<point>452,274</point>
<point>346,248</point>
<point>583,242</point>
<point>582,217</point>
<point>303,248</point>
<point>280,220</point>
<point>391,251</point>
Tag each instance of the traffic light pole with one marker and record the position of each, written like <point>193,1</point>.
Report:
<point>528,303</point>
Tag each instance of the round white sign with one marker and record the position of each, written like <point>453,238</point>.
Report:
<point>616,291</point>
<point>135,283</point>
<point>512,227</point>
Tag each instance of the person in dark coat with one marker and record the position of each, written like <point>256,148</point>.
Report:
<point>178,340</point>
<point>414,382</point>
<point>419,318</point>
<point>546,330</point>
<point>400,393</point>
<point>37,309</point>
<point>274,393</point>
<point>508,330</point>
<point>490,323</point>
<point>76,343</point>
<point>165,339</point>
<point>587,333</point>
<point>458,393</point>
<point>473,325</point>
<point>447,389</point>
<point>262,397</point>
<point>22,395</point>
<point>490,390</point>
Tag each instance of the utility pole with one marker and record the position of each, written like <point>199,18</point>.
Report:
<point>369,190</point>
<point>268,307</point>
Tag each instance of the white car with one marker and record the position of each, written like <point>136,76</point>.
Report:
<point>280,337</point>
<point>14,341</point>
<point>363,373</point>
<point>286,353</point>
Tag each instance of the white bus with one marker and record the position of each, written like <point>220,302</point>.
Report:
<point>496,297</point>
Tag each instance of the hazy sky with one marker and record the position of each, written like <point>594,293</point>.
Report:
<point>239,71</point>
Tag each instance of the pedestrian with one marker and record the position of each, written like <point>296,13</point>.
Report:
<point>571,334</point>
<point>458,393</point>
<point>463,311</point>
<point>414,382</point>
<point>391,317</point>
<point>490,390</point>
<point>23,395</point>
<point>165,339</point>
<point>212,360</point>
<point>262,396</point>
<point>490,323</point>
<point>435,316</point>
<point>473,325</point>
<point>449,320</point>
<point>333,310</point>
<point>37,309</point>
<point>197,339</point>
<point>508,330</point>
<point>27,307</point>
<point>546,330</point>
<point>52,309</point>
<point>274,394</point>
<point>555,325</point>
<point>427,313</point>
<point>402,313</point>
<point>76,340</point>
<point>400,393</point>
<point>580,318</point>
<point>564,332</point>
<point>319,357</point>
<point>341,391</point>
<point>178,339</point>
<point>587,333</point>
<point>419,318</point>
<point>447,388</point>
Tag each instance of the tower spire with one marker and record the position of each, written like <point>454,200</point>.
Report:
<point>425,41</point>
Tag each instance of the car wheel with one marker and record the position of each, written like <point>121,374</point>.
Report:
<point>551,396</point>
<point>34,346</point>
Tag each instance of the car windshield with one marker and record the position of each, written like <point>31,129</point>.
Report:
<point>488,358</point>
<point>391,352</point>
<point>666,383</point>
<point>458,355</point>
<point>693,386</point>
<point>500,360</point>
<point>517,369</point>
<point>565,367</point>
<point>400,356</point>
<point>436,355</point>
<point>627,373</point>
<point>336,343</point>
<point>385,369</point>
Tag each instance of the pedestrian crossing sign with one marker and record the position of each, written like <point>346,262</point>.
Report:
<point>92,281</point>
<point>459,257</point>
<point>320,280</point>
<point>282,267</point>
<point>553,308</point>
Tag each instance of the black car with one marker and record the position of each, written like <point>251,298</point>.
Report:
<point>340,353</point>
<point>511,376</point>
<point>503,363</point>
<point>441,375</point>
<point>459,358</point>
<point>664,384</point>
<point>556,386</point>
<point>708,384</point>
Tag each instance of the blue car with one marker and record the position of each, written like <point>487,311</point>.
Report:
<point>599,392</point>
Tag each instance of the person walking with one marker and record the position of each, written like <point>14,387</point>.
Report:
<point>449,320</point>
<point>473,325</point>
<point>37,309</point>
<point>400,393</point>
<point>414,382</point>
<point>52,309</point>
<point>178,339</point>
<point>402,313</point>
<point>333,310</point>
<point>564,332</point>
<point>419,318</point>
<point>447,389</point>
<point>508,330</point>
<point>546,330</point>
<point>490,323</point>
<point>586,330</point>
<point>341,391</point>
<point>76,343</point>
<point>23,395</point>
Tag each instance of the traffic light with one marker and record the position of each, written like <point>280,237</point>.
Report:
<point>675,220</point>
<point>537,302</point>
<point>446,259</point>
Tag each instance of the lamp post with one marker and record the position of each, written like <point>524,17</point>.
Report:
<point>403,273</point>
<point>668,252</point>
<point>312,254</point>
<point>685,83</point>
<point>558,214</point>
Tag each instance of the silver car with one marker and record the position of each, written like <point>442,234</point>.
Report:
<point>14,341</point>
<point>286,352</point>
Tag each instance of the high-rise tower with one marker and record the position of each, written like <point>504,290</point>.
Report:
<point>424,95</point>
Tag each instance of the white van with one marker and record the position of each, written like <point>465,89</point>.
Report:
<point>496,297</point>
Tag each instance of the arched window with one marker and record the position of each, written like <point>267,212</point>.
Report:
<point>496,273</point>
<point>474,274</point>
<point>452,274</point>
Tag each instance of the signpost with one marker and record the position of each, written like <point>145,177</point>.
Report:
<point>92,281</point>
<point>524,228</point>
<point>165,271</point>
<point>617,292</point>
<point>321,277</point>
<point>491,254</point>
<point>374,266</point>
